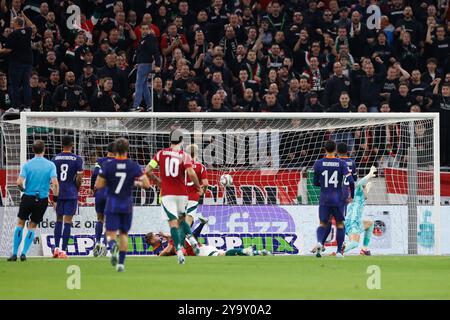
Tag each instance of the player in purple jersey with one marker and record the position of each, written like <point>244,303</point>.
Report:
<point>330,174</point>
<point>69,167</point>
<point>100,201</point>
<point>342,153</point>
<point>119,177</point>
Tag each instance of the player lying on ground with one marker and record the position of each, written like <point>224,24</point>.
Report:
<point>163,243</point>
<point>354,222</point>
<point>69,167</point>
<point>330,174</point>
<point>193,195</point>
<point>119,176</point>
<point>100,201</point>
<point>164,247</point>
<point>174,165</point>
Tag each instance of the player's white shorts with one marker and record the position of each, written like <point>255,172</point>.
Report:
<point>173,207</point>
<point>192,209</point>
<point>208,251</point>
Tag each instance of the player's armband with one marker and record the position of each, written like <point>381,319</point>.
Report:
<point>153,163</point>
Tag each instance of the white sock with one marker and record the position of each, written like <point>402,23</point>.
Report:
<point>192,241</point>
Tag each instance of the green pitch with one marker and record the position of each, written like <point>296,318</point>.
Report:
<point>279,277</point>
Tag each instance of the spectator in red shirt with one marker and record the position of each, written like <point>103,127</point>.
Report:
<point>147,19</point>
<point>171,40</point>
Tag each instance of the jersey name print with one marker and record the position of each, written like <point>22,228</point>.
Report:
<point>68,165</point>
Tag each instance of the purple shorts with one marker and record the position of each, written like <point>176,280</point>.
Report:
<point>66,207</point>
<point>338,212</point>
<point>100,202</point>
<point>118,221</point>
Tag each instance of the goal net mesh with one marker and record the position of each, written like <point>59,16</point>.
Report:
<point>272,202</point>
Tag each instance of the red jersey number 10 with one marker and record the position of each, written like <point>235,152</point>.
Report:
<point>172,167</point>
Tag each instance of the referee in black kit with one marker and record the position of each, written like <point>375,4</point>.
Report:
<point>34,181</point>
<point>146,53</point>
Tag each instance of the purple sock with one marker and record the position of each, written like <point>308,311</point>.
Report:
<point>340,236</point>
<point>327,233</point>
<point>58,232</point>
<point>198,230</point>
<point>66,235</point>
<point>98,231</point>
<point>320,233</point>
<point>122,255</point>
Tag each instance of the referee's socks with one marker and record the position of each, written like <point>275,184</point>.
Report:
<point>28,241</point>
<point>17,239</point>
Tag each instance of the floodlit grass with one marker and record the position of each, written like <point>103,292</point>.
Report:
<point>272,277</point>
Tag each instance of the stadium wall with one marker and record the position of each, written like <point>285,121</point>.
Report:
<point>281,229</point>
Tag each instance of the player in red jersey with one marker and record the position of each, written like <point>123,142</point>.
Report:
<point>194,196</point>
<point>175,165</point>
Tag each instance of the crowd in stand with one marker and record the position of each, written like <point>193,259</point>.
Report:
<point>236,55</point>
<point>232,56</point>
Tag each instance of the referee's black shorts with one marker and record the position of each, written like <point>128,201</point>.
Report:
<point>32,208</point>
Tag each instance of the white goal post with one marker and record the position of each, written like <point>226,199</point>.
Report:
<point>270,157</point>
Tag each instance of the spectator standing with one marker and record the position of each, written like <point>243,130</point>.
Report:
<point>88,80</point>
<point>12,12</point>
<point>420,91</point>
<point>295,100</point>
<point>313,104</point>
<point>432,72</point>
<point>147,19</point>
<point>371,85</point>
<point>172,40</point>
<point>335,85</point>
<point>110,70</point>
<point>390,84</point>
<point>248,102</point>
<point>358,35</point>
<point>271,104</point>
<point>401,100</point>
<point>104,98</point>
<point>407,53</point>
<point>217,104</point>
<point>146,54</point>
<point>18,46</point>
<point>343,105</point>
<point>442,105</point>
<point>191,93</point>
<point>410,25</point>
<point>438,46</point>
<point>49,65</point>
<point>69,96</point>
<point>396,11</point>
<point>101,53</point>
<point>41,98</point>
<point>54,82</point>
<point>316,75</point>
<point>5,101</point>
